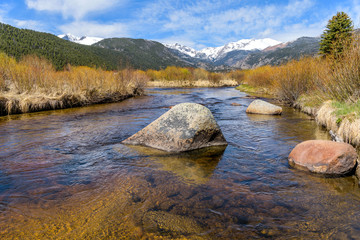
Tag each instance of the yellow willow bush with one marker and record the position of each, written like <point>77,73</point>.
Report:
<point>6,63</point>
<point>260,77</point>
<point>176,73</point>
<point>295,78</point>
<point>173,73</point>
<point>36,75</point>
<point>214,77</point>
<point>343,78</point>
<point>200,74</point>
<point>237,75</point>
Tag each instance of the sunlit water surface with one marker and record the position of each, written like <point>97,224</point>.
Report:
<point>65,175</point>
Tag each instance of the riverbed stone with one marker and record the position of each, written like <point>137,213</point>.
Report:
<point>236,104</point>
<point>185,127</point>
<point>358,170</point>
<point>262,107</point>
<point>324,157</point>
<point>164,221</point>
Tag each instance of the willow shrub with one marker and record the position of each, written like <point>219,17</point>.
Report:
<point>296,78</point>
<point>343,80</point>
<point>36,75</point>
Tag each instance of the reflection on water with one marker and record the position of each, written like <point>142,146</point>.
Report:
<point>65,175</point>
<point>194,167</point>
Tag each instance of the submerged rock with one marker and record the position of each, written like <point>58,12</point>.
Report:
<point>325,157</point>
<point>236,104</point>
<point>193,167</point>
<point>262,107</point>
<point>164,221</point>
<point>185,127</point>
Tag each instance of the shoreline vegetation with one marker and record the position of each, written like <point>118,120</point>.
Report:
<point>192,77</point>
<point>326,88</point>
<point>32,84</point>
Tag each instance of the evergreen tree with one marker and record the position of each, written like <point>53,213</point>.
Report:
<point>337,35</point>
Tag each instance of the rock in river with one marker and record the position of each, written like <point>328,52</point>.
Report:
<point>262,107</point>
<point>185,127</point>
<point>325,157</point>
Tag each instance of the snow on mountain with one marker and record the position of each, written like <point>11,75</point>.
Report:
<point>181,48</point>
<point>81,40</point>
<point>214,53</point>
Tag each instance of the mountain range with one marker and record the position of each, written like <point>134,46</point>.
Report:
<point>243,54</point>
<point>114,53</point>
<point>215,53</point>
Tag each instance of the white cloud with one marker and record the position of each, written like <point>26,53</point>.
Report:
<point>94,29</point>
<point>294,31</point>
<point>216,23</point>
<point>76,9</point>
<point>4,9</point>
<point>298,7</point>
<point>28,24</point>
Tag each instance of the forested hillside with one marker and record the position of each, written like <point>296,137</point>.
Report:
<point>145,54</point>
<point>20,42</point>
<point>111,54</point>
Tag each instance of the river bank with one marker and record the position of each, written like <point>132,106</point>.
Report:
<point>341,119</point>
<point>26,103</point>
<point>32,84</point>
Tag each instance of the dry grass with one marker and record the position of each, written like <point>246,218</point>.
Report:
<point>192,77</point>
<point>32,84</point>
<point>327,88</point>
<point>347,127</point>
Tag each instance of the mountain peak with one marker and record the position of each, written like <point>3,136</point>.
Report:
<point>183,49</point>
<point>81,40</point>
<point>214,53</point>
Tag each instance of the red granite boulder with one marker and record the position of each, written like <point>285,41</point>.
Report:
<point>324,157</point>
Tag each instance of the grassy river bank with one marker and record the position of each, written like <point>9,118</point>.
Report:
<point>32,84</point>
<point>326,88</point>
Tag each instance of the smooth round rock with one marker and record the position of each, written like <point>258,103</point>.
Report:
<point>185,127</point>
<point>262,107</point>
<point>324,157</point>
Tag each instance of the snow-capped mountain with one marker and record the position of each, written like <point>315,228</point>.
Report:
<point>81,40</point>
<point>215,53</point>
<point>183,49</point>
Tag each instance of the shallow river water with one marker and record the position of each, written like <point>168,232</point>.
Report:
<point>65,175</point>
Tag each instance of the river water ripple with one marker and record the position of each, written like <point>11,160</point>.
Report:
<point>65,175</point>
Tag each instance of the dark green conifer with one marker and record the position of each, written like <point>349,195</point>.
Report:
<point>337,35</point>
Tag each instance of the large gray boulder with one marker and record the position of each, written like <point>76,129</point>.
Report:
<point>262,107</point>
<point>185,127</point>
<point>325,157</point>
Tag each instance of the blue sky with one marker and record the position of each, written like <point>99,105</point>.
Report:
<point>198,24</point>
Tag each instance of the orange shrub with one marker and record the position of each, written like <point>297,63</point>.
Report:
<point>34,74</point>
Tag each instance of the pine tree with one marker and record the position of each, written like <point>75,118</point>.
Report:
<point>337,35</point>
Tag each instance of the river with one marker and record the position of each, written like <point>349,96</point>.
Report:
<point>65,175</point>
